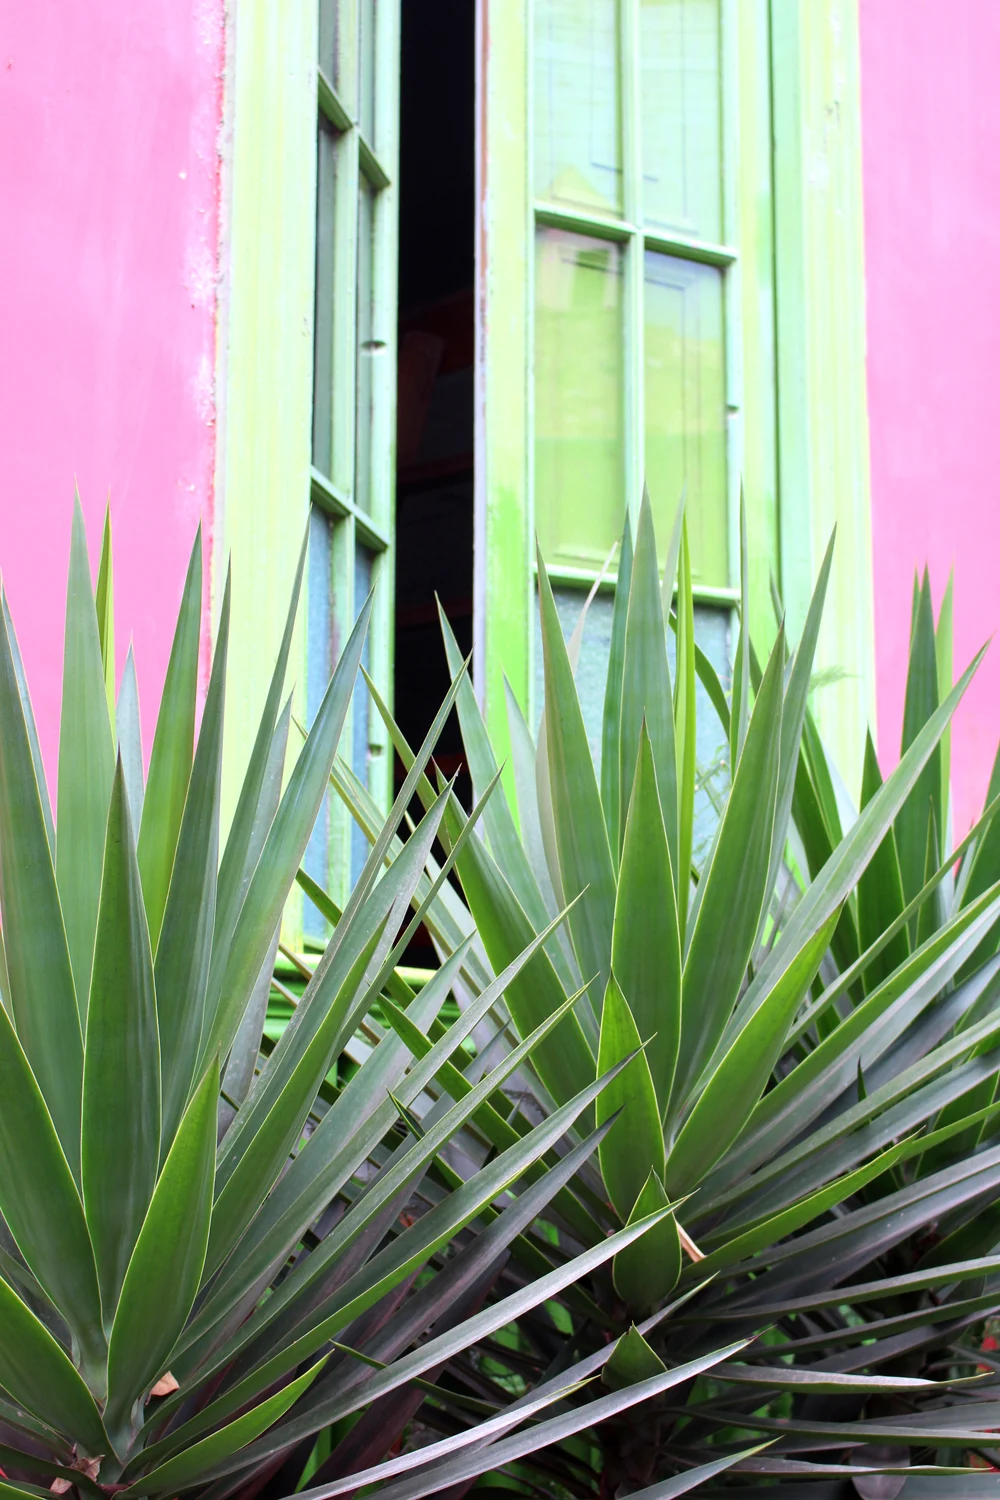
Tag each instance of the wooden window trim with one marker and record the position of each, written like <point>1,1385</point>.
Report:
<point>795,335</point>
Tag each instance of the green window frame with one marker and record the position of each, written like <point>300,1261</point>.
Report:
<point>308,82</point>
<point>633,306</point>
<point>634,298</point>
<point>790,255</point>
<point>734,258</point>
<point>352,472</point>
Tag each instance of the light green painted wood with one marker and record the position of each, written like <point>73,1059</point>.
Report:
<point>751,178</point>
<point>532,320</point>
<point>360,96</point>
<point>822,408</point>
<point>265,351</point>
<point>503,580</point>
<point>789,217</point>
<point>265,479</point>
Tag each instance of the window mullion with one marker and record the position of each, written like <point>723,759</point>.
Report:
<point>732,289</point>
<point>632,314</point>
<point>383,448</point>
<point>331,104</point>
<point>371,165</point>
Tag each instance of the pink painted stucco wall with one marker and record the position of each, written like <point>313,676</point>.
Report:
<point>931,148</point>
<point>109,119</point>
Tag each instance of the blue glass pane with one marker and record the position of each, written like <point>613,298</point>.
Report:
<point>319,668</point>
<point>360,751</point>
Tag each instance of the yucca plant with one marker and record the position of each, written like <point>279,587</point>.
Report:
<point>816,1003</point>
<point>215,1254</point>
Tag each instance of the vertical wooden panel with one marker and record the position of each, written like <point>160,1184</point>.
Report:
<point>502,581</point>
<point>754,206</point>
<point>822,409</point>
<point>265,350</point>
<point>266,353</point>
<point>384,319</point>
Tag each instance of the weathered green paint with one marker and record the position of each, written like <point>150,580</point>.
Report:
<point>265,479</point>
<point>797,432</point>
<point>264,352</point>
<point>503,582</point>
<point>509,212</point>
<point>363,159</point>
<point>756,293</point>
<point>822,409</point>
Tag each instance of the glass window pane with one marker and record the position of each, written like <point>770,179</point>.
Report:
<point>366,69</point>
<point>591,674</point>
<point>685,398</point>
<point>681,116</point>
<point>577,140</point>
<point>319,668</point>
<point>711,631</point>
<point>579,393</point>
<point>367,346</point>
<point>328,48</point>
<point>323,312</point>
<point>360,747</point>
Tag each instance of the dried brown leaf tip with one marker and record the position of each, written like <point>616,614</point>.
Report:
<point>165,1386</point>
<point>89,1466</point>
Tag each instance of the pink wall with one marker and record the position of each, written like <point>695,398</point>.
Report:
<point>931,142</point>
<point>109,117</point>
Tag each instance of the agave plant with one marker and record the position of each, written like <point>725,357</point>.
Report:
<point>214,1251</point>
<point>811,1013</point>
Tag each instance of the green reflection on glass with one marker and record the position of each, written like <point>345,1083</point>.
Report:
<point>685,399</point>
<point>681,116</point>
<point>577,150</point>
<point>326,157</point>
<point>328,48</point>
<point>579,386</point>
<point>368,347</point>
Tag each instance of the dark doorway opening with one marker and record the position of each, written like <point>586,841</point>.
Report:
<point>435,389</point>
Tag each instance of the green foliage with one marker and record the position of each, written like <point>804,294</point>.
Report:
<point>818,1002</point>
<point>218,1245</point>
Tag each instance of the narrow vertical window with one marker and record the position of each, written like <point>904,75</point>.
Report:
<point>353,412</point>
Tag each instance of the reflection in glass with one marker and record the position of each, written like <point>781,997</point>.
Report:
<point>366,69</point>
<point>360,748</point>
<point>685,399</point>
<point>579,392</point>
<point>711,631</point>
<point>368,346</point>
<point>319,668</point>
<point>328,49</point>
<point>681,116</point>
<point>323,311</point>
<point>577,150</point>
